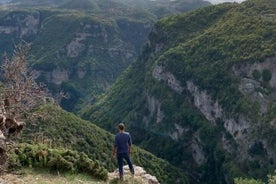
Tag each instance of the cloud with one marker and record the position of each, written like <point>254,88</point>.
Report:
<point>223,1</point>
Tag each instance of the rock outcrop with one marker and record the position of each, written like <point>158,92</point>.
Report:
<point>140,174</point>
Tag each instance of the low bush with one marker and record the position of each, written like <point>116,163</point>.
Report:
<point>62,160</point>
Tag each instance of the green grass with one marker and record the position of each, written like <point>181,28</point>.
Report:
<point>44,176</point>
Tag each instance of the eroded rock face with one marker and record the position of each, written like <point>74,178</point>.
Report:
<point>210,108</point>
<point>76,46</point>
<point>241,128</point>
<point>155,108</point>
<point>21,24</point>
<point>198,151</point>
<point>159,73</point>
<point>253,87</point>
<point>56,76</point>
<point>59,76</point>
<point>246,70</point>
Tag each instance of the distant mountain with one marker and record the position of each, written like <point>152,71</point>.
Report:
<point>162,8</point>
<point>202,93</point>
<point>32,3</point>
<point>78,47</point>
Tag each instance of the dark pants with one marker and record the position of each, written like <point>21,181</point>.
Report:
<point>120,159</point>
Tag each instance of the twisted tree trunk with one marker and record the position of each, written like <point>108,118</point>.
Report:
<point>19,93</point>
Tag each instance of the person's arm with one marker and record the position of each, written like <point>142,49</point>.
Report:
<point>129,144</point>
<point>129,149</point>
<point>114,151</point>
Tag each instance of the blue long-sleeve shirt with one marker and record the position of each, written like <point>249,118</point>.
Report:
<point>122,142</point>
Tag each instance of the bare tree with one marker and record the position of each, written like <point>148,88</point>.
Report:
<point>19,93</point>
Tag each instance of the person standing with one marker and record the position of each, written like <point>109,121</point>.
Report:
<point>122,149</point>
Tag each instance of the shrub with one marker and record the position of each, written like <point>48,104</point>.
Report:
<point>272,179</point>
<point>55,159</point>
<point>256,74</point>
<point>246,181</point>
<point>266,75</point>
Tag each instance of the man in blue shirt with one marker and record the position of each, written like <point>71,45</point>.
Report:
<point>122,148</point>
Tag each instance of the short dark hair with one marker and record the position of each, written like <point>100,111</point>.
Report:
<point>121,126</point>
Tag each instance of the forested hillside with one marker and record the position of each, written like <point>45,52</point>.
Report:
<point>203,92</point>
<point>81,47</point>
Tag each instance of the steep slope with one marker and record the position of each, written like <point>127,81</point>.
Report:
<point>59,129</point>
<point>203,92</point>
<point>78,47</point>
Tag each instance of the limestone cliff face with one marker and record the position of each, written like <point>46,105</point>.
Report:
<point>159,73</point>
<point>251,86</point>
<point>22,24</point>
<point>242,128</point>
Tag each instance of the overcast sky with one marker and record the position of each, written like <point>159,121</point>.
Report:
<point>222,1</point>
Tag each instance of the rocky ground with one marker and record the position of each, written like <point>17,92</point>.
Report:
<point>140,176</point>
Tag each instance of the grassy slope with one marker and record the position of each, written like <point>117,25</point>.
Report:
<point>67,130</point>
<point>40,176</point>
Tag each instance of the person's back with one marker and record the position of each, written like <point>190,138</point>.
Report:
<point>121,148</point>
<point>122,142</point>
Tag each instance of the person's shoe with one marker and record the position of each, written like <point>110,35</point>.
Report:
<point>132,173</point>
<point>122,178</point>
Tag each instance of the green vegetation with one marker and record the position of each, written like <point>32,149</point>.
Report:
<point>106,36</point>
<point>210,47</point>
<point>79,48</point>
<point>247,181</point>
<point>271,180</point>
<point>81,4</point>
<point>256,74</point>
<point>58,129</point>
<point>40,156</point>
<point>266,74</point>
<point>44,176</point>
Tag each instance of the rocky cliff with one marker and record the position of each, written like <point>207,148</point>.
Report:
<point>141,176</point>
<point>202,94</point>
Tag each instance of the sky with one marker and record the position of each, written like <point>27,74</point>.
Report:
<point>222,1</point>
